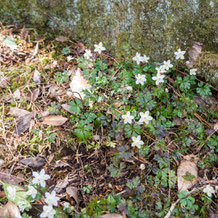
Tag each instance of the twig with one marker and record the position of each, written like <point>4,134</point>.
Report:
<point>178,200</point>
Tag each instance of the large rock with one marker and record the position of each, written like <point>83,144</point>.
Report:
<point>152,27</point>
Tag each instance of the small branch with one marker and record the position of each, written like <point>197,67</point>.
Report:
<point>194,190</point>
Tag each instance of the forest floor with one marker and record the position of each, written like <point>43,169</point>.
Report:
<point>83,144</point>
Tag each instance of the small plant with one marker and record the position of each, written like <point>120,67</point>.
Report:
<point>87,189</point>
<point>187,201</point>
<point>61,77</point>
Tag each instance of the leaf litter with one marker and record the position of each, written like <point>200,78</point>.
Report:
<point>72,165</point>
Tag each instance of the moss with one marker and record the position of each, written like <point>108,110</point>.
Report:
<point>208,63</point>
<point>155,28</point>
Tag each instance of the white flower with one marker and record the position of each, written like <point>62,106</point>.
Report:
<point>48,211</point>
<point>31,191</point>
<point>145,117</point>
<point>127,118</point>
<point>23,205</point>
<point>193,71</point>
<point>161,69</point>
<point>167,65</point>
<point>11,192</point>
<point>179,54</point>
<point>40,178</point>
<point>88,54</point>
<point>137,58</point>
<point>145,59</point>
<point>66,204</point>
<point>140,79</point>
<point>142,166</point>
<point>69,58</point>
<point>209,190</point>
<point>51,198</point>
<point>137,141</point>
<point>159,78</point>
<point>99,48</point>
<point>166,90</point>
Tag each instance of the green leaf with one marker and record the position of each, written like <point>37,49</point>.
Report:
<point>9,42</point>
<point>183,194</point>
<point>128,130</point>
<point>76,106</point>
<point>188,176</point>
<point>21,195</point>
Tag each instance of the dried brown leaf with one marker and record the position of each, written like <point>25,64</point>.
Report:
<point>79,83</point>
<point>67,108</point>
<point>15,111</point>
<point>53,91</point>
<point>54,120</point>
<point>61,38</point>
<point>4,82</point>
<point>10,179</point>
<point>33,95</point>
<point>216,127</point>
<point>10,210</point>
<point>24,123</point>
<point>37,76</point>
<point>35,162</point>
<point>112,215</point>
<point>188,166</point>
<point>73,193</point>
<point>61,164</point>
<point>61,185</point>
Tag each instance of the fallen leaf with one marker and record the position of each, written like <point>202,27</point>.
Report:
<point>61,185</point>
<point>112,215</point>
<point>117,103</point>
<point>4,82</point>
<point>10,179</point>
<point>37,76</point>
<point>79,83</point>
<point>54,120</point>
<point>79,47</point>
<point>61,164</point>
<point>36,50</point>
<point>1,162</point>
<point>67,108</point>
<point>17,94</point>
<point>35,162</point>
<point>216,126</point>
<point>9,42</point>
<point>73,193</point>
<point>187,173</point>
<point>10,210</point>
<point>53,91</point>
<point>15,111</point>
<point>33,95</point>
<point>61,39</point>
<point>23,123</point>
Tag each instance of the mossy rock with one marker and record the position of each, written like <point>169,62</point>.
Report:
<point>155,28</point>
<point>208,64</point>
